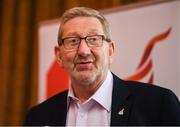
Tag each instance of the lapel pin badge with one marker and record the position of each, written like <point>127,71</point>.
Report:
<point>121,112</point>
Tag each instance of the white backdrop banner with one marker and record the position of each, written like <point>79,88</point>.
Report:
<point>147,48</point>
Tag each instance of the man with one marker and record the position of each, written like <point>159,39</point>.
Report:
<point>97,97</point>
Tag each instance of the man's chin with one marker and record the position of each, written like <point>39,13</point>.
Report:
<point>85,77</point>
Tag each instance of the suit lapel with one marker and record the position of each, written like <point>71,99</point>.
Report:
<point>121,105</point>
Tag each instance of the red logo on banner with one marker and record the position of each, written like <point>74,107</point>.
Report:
<point>58,79</point>
<point>146,64</point>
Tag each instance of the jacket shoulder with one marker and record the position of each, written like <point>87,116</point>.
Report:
<point>53,101</point>
<point>50,112</point>
<point>135,87</point>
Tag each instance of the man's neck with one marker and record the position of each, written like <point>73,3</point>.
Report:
<point>84,91</point>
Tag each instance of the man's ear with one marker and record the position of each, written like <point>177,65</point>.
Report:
<point>57,52</point>
<point>111,52</point>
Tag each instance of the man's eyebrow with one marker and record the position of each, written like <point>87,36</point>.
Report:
<point>72,34</point>
<point>91,31</point>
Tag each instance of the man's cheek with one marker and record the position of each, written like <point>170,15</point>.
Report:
<point>69,64</point>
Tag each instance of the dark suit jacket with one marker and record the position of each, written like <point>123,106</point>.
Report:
<point>143,105</point>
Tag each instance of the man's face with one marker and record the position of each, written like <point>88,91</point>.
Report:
<point>85,65</point>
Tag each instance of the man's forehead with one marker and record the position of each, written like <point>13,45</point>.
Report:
<point>76,21</point>
<point>82,25</point>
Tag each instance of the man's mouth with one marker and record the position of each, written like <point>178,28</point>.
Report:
<point>84,64</point>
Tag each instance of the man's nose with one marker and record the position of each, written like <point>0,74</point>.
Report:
<point>83,48</point>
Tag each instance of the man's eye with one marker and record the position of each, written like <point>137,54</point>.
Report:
<point>74,40</point>
<point>92,39</point>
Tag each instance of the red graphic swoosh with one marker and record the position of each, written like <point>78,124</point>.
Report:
<point>141,71</point>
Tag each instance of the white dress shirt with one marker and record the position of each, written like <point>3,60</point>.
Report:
<point>96,111</point>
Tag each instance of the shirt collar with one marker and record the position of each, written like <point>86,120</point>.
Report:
<point>103,95</point>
